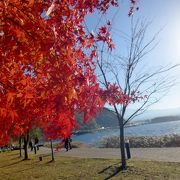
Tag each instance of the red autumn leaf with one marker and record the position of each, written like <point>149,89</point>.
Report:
<point>10,97</point>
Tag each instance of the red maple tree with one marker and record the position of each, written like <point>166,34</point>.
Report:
<point>46,67</point>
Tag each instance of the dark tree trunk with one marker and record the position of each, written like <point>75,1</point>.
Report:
<point>26,140</point>
<point>20,142</point>
<point>52,152</point>
<point>122,145</point>
<point>122,142</point>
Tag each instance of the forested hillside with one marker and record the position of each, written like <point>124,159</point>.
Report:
<point>106,118</point>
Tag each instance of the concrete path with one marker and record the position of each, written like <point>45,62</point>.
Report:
<point>156,154</point>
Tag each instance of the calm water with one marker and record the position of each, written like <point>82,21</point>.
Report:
<point>142,130</point>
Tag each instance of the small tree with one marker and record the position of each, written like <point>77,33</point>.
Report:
<point>132,79</point>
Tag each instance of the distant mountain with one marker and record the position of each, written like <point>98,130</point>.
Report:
<point>164,119</point>
<point>106,118</point>
<point>150,114</point>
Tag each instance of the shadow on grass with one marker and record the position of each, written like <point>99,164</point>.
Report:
<point>17,162</point>
<point>17,157</point>
<point>14,154</point>
<point>112,170</point>
<point>51,161</point>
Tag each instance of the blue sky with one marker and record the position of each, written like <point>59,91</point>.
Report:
<point>163,14</point>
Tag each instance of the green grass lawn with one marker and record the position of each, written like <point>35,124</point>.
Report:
<point>12,167</point>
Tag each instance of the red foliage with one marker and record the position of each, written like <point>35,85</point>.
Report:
<point>46,68</point>
<point>133,4</point>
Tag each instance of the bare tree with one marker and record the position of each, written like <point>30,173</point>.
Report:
<point>132,75</point>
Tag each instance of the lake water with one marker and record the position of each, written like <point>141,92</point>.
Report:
<point>156,129</point>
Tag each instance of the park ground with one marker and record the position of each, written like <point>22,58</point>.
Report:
<point>73,166</point>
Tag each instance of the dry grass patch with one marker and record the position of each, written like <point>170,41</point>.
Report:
<point>143,141</point>
<point>13,168</point>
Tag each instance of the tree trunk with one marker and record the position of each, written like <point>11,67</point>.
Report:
<point>122,142</point>
<point>122,145</point>
<point>20,141</point>
<point>52,152</point>
<point>26,140</point>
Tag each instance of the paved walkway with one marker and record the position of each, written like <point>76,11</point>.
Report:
<point>157,154</point>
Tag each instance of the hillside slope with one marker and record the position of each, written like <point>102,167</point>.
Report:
<point>106,118</point>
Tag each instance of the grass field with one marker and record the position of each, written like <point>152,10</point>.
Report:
<point>12,167</point>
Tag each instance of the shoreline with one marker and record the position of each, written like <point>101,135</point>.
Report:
<point>133,124</point>
<point>166,141</point>
<point>163,141</point>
